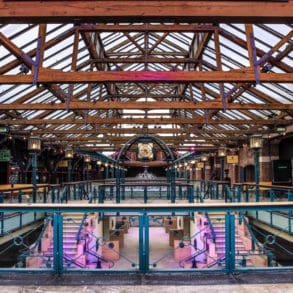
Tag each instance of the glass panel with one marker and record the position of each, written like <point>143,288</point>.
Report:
<point>26,240</point>
<point>195,241</point>
<point>263,239</point>
<point>95,241</point>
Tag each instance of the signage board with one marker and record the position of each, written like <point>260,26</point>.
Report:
<point>232,159</point>
<point>63,164</point>
<point>200,165</point>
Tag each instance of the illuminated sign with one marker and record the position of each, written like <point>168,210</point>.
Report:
<point>200,165</point>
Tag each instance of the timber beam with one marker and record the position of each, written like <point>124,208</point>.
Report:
<point>191,121</point>
<point>57,76</point>
<point>158,11</point>
<point>114,148</point>
<point>106,130</point>
<point>146,28</point>
<point>145,106</point>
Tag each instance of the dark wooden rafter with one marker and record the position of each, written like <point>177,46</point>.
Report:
<point>171,89</point>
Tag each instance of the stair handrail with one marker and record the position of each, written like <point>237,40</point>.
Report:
<point>81,227</point>
<point>100,257</point>
<point>197,253</point>
<point>223,257</point>
<point>214,236</point>
<point>37,242</point>
<point>253,237</point>
<point>72,260</point>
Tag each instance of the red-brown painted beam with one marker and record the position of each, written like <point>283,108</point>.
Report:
<point>115,11</point>
<point>56,76</point>
<point>107,105</point>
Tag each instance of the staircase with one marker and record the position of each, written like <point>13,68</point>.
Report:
<point>243,257</point>
<point>77,234</point>
<point>72,250</point>
<point>73,255</point>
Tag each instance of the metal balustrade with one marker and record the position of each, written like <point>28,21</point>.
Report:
<point>145,237</point>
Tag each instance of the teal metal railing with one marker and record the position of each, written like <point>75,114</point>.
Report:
<point>78,235</point>
<point>211,227</point>
<point>146,191</point>
<point>54,250</point>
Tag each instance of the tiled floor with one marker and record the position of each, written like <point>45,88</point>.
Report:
<point>260,288</point>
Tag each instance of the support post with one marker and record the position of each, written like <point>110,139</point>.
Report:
<point>69,169</point>
<point>222,162</point>
<point>230,242</point>
<point>143,243</point>
<point>117,185</point>
<point>58,243</point>
<point>34,176</point>
<point>256,174</point>
<point>173,185</point>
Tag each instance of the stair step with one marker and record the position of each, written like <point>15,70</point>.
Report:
<point>76,225</point>
<point>70,230</point>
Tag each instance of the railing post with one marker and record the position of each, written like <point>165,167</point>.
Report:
<point>95,194</point>
<point>79,192</point>
<point>238,194</point>
<point>173,184</point>
<point>2,215</point>
<point>74,191</point>
<point>58,243</point>
<point>217,191</point>
<point>34,176</point>
<point>233,194</point>
<point>198,194</point>
<point>53,195</point>
<point>143,243</point>
<point>68,192</point>
<point>168,192</point>
<point>111,192</point>
<point>20,194</point>
<point>191,194</point>
<point>180,191</point>
<point>145,194</point>
<point>271,193</point>
<point>118,181</point>
<point>58,195</point>
<point>45,194</point>
<point>256,171</point>
<point>246,194</point>
<point>230,242</point>
<point>290,213</point>
<point>101,196</point>
<point>226,193</point>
